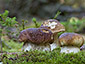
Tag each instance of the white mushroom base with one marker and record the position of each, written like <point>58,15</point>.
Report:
<point>69,49</point>
<point>31,46</point>
<point>53,46</point>
<point>1,62</point>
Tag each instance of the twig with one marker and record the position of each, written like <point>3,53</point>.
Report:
<point>1,44</point>
<point>10,53</point>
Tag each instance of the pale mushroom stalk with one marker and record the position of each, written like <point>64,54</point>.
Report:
<point>56,39</point>
<point>69,49</point>
<point>70,42</point>
<point>30,46</point>
<point>55,44</point>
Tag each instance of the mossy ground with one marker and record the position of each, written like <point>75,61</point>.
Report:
<point>44,57</point>
<point>39,57</point>
<point>15,46</point>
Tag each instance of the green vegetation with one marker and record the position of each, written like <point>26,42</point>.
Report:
<point>35,22</point>
<point>74,25</point>
<point>6,22</point>
<point>58,13</point>
<point>44,57</point>
<point>15,46</point>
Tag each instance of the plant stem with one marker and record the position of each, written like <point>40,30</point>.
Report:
<point>56,15</point>
<point>1,44</point>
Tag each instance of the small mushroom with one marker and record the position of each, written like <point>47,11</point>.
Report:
<point>82,47</point>
<point>55,28</point>
<point>36,39</point>
<point>70,42</point>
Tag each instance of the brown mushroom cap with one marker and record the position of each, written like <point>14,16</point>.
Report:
<point>53,25</point>
<point>36,35</point>
<point>71,39</point>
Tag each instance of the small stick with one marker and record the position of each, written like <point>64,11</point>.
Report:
<point>1,44</point>
<point>10,53</point>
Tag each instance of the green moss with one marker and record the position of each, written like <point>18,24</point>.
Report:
<point>44,57</point>
<point>15,46</point>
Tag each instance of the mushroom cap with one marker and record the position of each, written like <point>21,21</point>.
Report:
<point>36,36</point>
<point>71,39</point>
<point>53,25</point>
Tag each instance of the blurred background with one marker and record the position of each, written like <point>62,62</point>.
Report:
<point>43,9</point>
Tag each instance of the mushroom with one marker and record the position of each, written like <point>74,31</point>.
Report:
<point>82,47</point>
<point>36,39</point>
<point>70,42</point>
<point>55,28</point>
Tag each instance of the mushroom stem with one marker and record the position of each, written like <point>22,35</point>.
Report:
<point>56,39</point>
<point>25,46</point>
<point>55,44</point>
<point>30,46</point>
<point>69,49</point>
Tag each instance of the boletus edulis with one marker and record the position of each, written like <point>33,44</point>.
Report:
<point>36,39</point>
<point>70,42</point>
<point>55,27</point>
